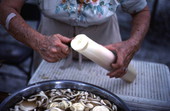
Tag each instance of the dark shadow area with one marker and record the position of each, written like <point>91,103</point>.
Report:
<point>30,12</point>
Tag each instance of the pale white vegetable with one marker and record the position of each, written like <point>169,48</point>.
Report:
<point>55,109</point>
<point>130,75</point>
<point>98,54</point>
<point>27,106</point>
<point>95,52</point>
<point>100,108</point>
<point>71,100</point>
<point>89,105</point>
<point>77,107</point>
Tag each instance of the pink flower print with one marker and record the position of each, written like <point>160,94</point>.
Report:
<point>95,2</point>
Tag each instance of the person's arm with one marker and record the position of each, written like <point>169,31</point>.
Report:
<point>125,50</point>
<point>51,48</point>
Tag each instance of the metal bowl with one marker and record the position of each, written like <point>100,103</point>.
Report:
<point>62,84</point>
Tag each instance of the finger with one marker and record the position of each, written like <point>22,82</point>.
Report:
<point>65,49</point>
<point>107,46</point>
<point>62,48</point>
<point>110,47</point>
<point>53,50</point>
<point>117,73</point>
<point>62,55</point>
<point>64,39</point>
<point>51,60</point>
<point>51,56</point>
<point>48,58</point>
<point>54,58</point>
<point>119,62</point>
<point>57,52</point>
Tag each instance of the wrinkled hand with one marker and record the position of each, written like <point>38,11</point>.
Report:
<point>53,48</point>
<point>125,51</point>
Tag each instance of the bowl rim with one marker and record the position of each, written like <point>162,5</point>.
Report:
<point>34,85</point>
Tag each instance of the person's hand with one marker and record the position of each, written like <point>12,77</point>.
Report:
<point>53,48</point>
<point>124,51</point>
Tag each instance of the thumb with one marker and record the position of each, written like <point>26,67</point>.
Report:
<point>64,48</point>
<point>107,46</point>
<point>64,39</point>
<point>110,47</point>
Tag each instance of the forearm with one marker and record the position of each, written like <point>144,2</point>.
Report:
<point>140,25</point>
<point>125,50</point>
<point>18,28</point>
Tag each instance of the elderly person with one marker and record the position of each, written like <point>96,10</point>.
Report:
<point>63,19</point>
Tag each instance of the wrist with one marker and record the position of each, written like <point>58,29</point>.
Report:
<point>36,43</point>
<point>134,43</point>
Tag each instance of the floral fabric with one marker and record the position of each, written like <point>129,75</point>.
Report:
<point>87,12</point>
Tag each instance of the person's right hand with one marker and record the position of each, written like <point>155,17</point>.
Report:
<point>53,48</point>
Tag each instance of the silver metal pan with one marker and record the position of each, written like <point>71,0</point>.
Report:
<point>62,84</point>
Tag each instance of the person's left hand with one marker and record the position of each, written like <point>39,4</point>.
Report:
<point>124,51</point>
